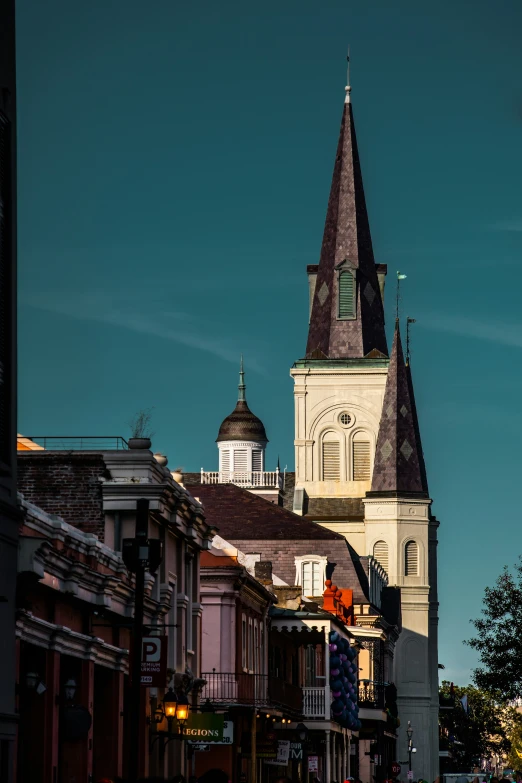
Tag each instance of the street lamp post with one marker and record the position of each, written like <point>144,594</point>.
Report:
<point>409,732</point>
<point>142,532</point>
<point>302,733</point>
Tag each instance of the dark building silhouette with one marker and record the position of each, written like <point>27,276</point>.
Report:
<point>9,514</point>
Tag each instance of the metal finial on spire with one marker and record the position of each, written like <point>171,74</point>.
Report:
<point>399,278</point>
<point>242,386</point>
<point>409,321</point>
<point>348,87</point>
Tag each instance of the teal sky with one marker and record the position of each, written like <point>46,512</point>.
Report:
<point>174,168</point>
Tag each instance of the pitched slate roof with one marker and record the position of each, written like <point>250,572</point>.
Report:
<point>346,238</point>
<point>399,461</point>
<point>238,513</point>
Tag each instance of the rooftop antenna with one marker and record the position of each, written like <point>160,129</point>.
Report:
<point>348,88</point>
<point>241,387</point>
<point>399,278</point>
<point>409,321</point>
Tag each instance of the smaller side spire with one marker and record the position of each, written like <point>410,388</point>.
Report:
<point>348,88</point>
<point>399,462</point>
<point>242,386</point>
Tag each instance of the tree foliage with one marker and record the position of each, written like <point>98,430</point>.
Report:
<point>482,732</point>
<point>514,759</point>
<point>499,637</point>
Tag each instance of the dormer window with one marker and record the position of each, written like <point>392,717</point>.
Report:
<point>346,287</point>
<point>310,574</point>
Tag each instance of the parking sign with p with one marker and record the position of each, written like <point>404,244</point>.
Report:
<point>154,661</point>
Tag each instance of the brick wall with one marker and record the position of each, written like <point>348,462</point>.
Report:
<point>66,484</point>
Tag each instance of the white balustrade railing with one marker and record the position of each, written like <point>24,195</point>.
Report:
<point>316,703</point>
<point>244,478</point>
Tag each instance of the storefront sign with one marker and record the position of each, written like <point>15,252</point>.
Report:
<point>283,754</point>
<point>203,728</point>
<point>154,661</point>
<point>296,751</point>
<point>313,763</point>
<point>226,738</point>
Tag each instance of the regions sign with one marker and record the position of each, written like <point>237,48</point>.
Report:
<point>154,661</point>
<point>203,728</point>
<point>226,738</point>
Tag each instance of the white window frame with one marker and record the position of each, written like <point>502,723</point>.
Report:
<point>321,560</point>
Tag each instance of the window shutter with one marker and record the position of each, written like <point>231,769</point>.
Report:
<point>240,460</point>
<point>346,295</point>
<point>380,553</point>
<point>411,559</point>
<point>331,461</point>
<point>225,461</point>
<point>257,460</point>
<point>361,460</point>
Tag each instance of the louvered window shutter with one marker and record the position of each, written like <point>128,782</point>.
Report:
<point>225,461</point>
<point>257,460</point>
<point>380,553</point>
<point>411,559</point>
<point>331,461</point>
<point>240,460</point>
<point>346,295</point>
<point>361,460</point>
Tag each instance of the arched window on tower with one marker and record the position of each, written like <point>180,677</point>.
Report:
<point>411,559</point>
<point>380,553</point>
<point>361,457</point>
<point>331,457</point>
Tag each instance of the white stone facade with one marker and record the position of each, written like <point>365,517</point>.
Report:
<point>356,387</point>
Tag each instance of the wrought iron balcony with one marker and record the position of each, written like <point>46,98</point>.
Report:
<point>244,478</point>
<point>371,694</point>
<point>251,689</point>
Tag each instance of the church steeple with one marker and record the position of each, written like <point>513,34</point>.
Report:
<point>399,462</point>
<point>347,317</point>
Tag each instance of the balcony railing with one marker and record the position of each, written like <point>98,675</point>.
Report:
<point>251,689</point>
<point>371,694</point>
<point>316,703</point>
<point>244,478</point>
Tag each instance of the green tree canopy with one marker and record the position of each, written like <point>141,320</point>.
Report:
<point>483,731</point>
<point>499,637</point>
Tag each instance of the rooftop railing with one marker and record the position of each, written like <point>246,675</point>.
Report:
<point>78,442</point>
<point>244,478</point>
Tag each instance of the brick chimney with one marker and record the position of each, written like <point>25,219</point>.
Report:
<point>263,572</point>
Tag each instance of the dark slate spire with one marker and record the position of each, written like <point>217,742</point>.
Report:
<point>346,240</point>
<point>399,463</point>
